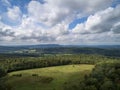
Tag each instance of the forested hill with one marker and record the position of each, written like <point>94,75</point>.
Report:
<point>37,50</point>
<point>4,49</point>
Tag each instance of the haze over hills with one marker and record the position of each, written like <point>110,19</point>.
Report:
<point>37,50</point>
<point>58,45</point>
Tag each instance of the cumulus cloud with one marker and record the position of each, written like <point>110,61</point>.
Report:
<point>14,13</point>
<point>12,16</point>
<point>5,33</point>
<point>6,3</point>
<point>48,22</point>
<point>116,28</point>
<point>102,21</point>
<point>55,11</point>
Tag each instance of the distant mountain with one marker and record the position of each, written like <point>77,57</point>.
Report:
<point>108,50</point>
<point>44,46</point>
<point>5,49</point>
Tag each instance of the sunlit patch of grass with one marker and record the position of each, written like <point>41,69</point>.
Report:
<point>50,78</point>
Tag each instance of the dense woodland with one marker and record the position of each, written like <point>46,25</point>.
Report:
<point>105,75</point>
<point>21,63</point>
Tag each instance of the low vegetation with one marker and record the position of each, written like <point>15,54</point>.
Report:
<point>50,78</point>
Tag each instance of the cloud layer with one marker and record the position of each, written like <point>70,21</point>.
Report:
<point>48,22</point>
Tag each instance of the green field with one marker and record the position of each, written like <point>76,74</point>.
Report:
<point>50,78</point>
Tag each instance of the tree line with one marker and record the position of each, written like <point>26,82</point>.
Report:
<point>21,63</point>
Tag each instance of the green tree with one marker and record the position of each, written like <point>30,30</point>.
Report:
<point>107,85</point>
<point>2,84</point>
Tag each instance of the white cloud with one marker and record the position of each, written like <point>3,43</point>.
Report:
<point>48,23</point>
<point>14,13</point>
<point>116,28</point>
<point>5,32</point>
<point>55,11</point>
<point>6,3</point>
<point>100,22</point>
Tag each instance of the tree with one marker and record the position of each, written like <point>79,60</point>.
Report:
<point>2,82</point>
<point>2,73</point>
<point>107,85</point>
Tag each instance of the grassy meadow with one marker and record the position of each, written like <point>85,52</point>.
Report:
<point>49,78</point>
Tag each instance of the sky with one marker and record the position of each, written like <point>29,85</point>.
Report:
<point>74,22</point>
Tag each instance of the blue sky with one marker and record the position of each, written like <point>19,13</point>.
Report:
<point>59,21</point>
<point>115,3</point>
<point>77,21</point>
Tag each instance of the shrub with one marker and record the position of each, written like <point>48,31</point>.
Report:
<point>44,79</point>
<point>34,74</point>
<point>17,75</point>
